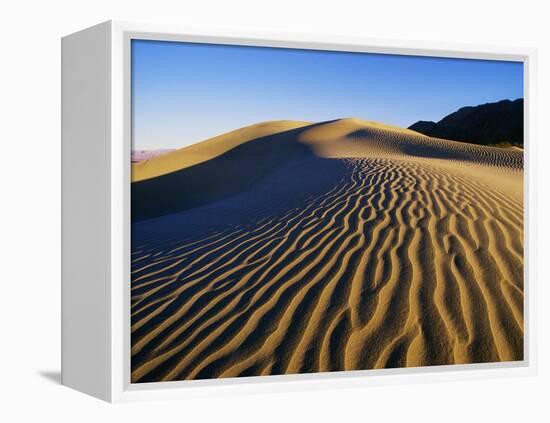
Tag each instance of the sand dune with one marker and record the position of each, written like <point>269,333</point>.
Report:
<point>207,150</point>
<point>342,245</point>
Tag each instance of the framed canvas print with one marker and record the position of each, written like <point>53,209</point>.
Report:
<point>256,212</point>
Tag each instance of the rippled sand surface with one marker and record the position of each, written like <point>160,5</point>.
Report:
<point>289,247</point>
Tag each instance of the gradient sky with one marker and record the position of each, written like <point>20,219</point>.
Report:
<point>183,93</point>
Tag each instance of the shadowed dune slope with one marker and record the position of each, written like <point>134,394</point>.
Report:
<point>343,245</point>
<point>213,169</point>
<point>208,149</point>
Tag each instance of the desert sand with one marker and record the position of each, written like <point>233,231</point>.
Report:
<point>291,247</point>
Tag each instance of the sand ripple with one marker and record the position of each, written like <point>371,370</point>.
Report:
<point>401,262</point>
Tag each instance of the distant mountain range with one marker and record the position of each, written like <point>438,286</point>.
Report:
<point>140,155</point>
<point>498,124</point>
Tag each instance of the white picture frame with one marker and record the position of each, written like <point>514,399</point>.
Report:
<point>96,145</point>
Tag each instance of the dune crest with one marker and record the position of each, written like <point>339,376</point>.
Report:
<point>208,149</point>
<point>342,245</point>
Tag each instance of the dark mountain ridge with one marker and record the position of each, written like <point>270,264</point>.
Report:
<point>499,124</point>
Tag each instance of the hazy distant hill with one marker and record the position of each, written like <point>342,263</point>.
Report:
<point>140,155</point>
<point>498,123</point>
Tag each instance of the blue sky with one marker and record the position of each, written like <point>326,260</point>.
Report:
<point>183,93</point>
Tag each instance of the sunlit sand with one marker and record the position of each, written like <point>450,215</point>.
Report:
<point>290,247</point>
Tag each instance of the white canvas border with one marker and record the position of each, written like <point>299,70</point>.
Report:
<point>121,389</point>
